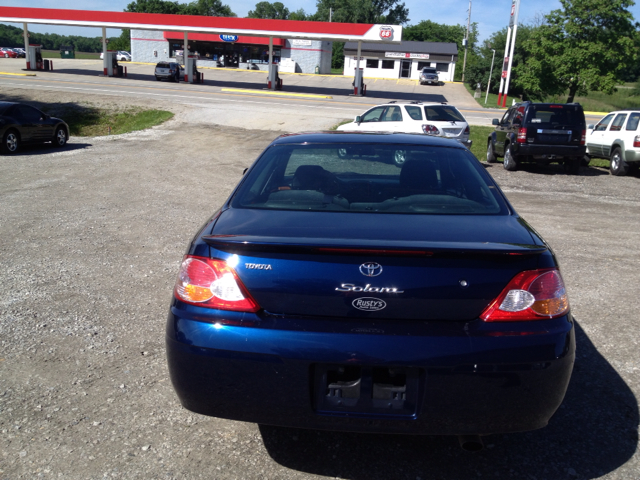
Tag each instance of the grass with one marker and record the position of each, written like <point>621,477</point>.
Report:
<point>89,121</point>
<point>335,127</point>
<point>79,55</point>
<point>627,96</point>
<point>492,101</point>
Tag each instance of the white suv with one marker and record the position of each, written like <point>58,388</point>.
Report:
<point>616,137</point>
<point>437,119</point>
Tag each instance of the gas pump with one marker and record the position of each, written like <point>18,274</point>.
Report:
<point>35,58</point>
<point>110,63</point>
<point>359,88</point>
<point>274,82</point>
<point>191,70</point>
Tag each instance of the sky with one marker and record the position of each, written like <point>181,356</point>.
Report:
<point>491,15</point>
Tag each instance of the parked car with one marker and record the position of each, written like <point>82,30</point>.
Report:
<point>434,119</point>
<point>123,56</point>
<point>539,132</point>
<point>21,123</point>
<point>616,138</point>
<point>429,75</point>
<point>20,53</point>
<point>169,71</point>
<point>348,294</point>
<point>7,53</point>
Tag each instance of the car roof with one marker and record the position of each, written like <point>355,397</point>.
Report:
<point>340,137</point>
<point>7,104</point>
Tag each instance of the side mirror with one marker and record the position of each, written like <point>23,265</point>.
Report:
<point>358,120</point>
<point>245,170</point>
<point>590,126</point>
<point>495,121</point>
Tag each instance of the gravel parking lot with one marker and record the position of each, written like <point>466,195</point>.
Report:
<point>91,237</point>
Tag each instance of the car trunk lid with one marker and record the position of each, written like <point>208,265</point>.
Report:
<point>414,267</point>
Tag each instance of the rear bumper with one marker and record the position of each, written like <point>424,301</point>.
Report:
<point>466,379</point>
<point>549,150</point>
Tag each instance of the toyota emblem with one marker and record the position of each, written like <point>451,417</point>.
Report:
<point>371,269</point>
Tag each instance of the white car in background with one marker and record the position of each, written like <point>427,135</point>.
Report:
<point>616,138</point>
<point>436,119</point>
<point>121,56</point>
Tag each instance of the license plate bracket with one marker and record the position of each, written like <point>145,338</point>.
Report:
<point>366,390</point>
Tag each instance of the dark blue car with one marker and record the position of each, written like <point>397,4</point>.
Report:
<point>337,290</point>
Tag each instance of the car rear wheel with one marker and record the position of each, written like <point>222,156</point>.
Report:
<point>399,157</point>
<point>618,166</point>
<point>158,78</point>
<point>60,138</point>
<point>491,156</point>
<point>586,160</point>
<point>10,142</point>
<point>509,163</point>
<point>572,165</point>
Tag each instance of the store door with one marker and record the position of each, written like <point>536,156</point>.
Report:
<point>405,69</point>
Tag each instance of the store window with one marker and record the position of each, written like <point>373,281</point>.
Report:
<point>421,65</point>
<point>372,63</point>
<point>442,67</point>
<point>234,53</point>
<point>388,64</point>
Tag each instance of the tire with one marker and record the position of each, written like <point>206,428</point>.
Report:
<point>491,155</point>
<point>509,162</point>
<point>60,138</point>
<point>10,142</point>
<point>342,153</point>
<point>399,157</point>
<point>158,78</point>
<point>586,160</point>
<point>618,167</point>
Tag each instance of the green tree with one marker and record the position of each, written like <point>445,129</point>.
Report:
<point>298,15</point>
<point>123,42</point>
<point>210,8</point>
<point>275,10</point>
<point>156,6</point>
<point>586,45</point>
<point>478,72</point>
<point>362,11</point>
<point>213,8</point>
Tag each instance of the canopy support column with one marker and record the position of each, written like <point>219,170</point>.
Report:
<point>358,83</point>
<point>105,65</point>
<point>273,79</point>
<point>26,46</point>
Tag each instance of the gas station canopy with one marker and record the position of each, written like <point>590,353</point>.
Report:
<point>331,31</point>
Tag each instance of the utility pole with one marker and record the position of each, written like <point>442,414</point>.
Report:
<point>330,13</point>
<point>466,43</point>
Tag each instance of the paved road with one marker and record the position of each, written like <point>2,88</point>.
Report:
<point>242,109</point>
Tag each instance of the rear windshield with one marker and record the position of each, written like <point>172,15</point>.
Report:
<point>366,178</point>
<point>429,70</point>
<point>443,113</point>
<point>163,65</point>
<point>555,115</point>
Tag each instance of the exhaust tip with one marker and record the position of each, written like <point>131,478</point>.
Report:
<point>470,443</point>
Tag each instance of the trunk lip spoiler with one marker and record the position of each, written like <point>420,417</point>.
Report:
<point>344,246</point>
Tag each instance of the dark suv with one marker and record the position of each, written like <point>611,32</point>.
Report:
<point>539,132</point>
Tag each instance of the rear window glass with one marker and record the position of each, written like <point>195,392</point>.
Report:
<point>163,65</point>
<point>443,113</point>
<point>632,124</point>
<point>365,178</point>
<point>429,70</point>
<point>555,116</point>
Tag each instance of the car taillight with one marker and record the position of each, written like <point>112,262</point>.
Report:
<point>583,139</point>
<point>212,283</point>
<point>430,130</point>
<point>467,130</point>
<point>522,135</point>
<point>636,141</point>
<point>530,295</point>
